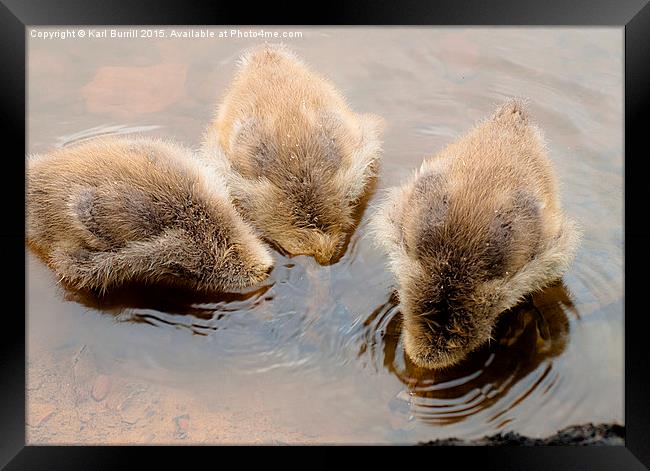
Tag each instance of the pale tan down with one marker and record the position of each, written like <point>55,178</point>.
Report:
<point>478,227</point>
<point>130,209</point>
<point>298,159</point>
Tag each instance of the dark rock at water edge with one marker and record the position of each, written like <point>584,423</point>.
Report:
<point>579,435</point>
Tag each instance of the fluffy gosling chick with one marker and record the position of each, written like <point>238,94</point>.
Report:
<point>298,159</point>
<point>115,210</point>
<point>478,227</point>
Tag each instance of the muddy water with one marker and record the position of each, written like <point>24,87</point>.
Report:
<point>314,354</point>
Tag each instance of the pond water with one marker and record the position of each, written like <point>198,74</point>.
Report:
<point>313,355</point>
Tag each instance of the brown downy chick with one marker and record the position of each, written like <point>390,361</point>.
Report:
<point>298,159</point>
<point>476,229</point>
<point>115,210</point>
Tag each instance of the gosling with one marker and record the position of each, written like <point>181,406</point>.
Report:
<point>115,210</point>
<point>298,159</point>
<point>476,229</point>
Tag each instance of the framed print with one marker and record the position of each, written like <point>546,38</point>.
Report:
<point>379,226</point>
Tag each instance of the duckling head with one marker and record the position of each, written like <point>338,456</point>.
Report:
<point>203,245</point>
<point>461,260</point>
<point>301,188</point>
<point>448,312</point>
<point>217,257</point>
<point>298,218</point>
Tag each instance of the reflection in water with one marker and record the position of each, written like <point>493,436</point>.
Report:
<point>528,335</point>
<point>281,361</point>
<point>261,320</point>
<point>124,91</point>
<point>156,305</point>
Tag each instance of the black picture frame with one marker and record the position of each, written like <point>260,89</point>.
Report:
<point>633,15</point>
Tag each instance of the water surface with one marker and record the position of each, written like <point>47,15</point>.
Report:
<point>314,355</point>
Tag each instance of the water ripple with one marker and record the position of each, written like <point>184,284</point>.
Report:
<point>527,338</point>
